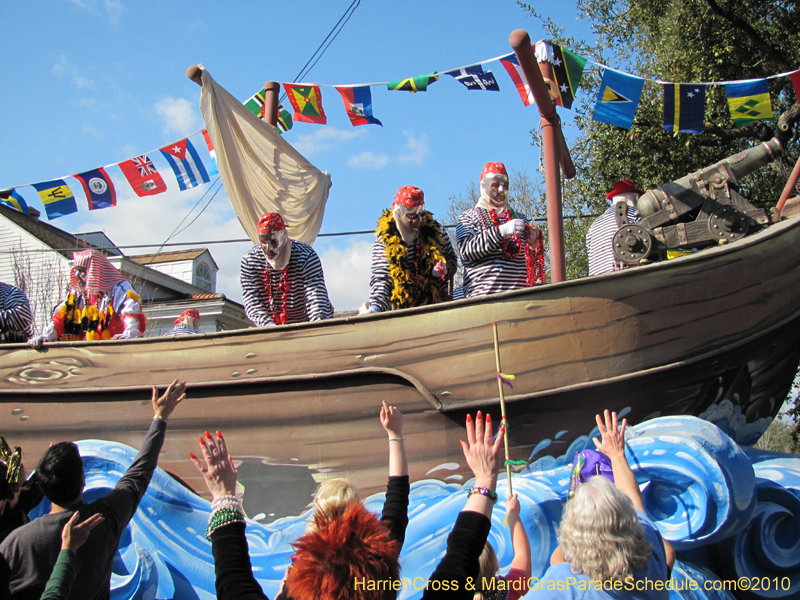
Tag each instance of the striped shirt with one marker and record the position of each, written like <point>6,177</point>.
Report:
<point>181,329</point>
<point>599,240</point>
<point>381,283</point>
<point>307,298</point>
<point>16,321</point>
<point>486,268</point>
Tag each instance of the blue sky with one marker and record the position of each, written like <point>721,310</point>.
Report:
<point>89,83</point>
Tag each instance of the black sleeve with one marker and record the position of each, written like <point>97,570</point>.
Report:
<point>232,567</point>
<point>120,503</point>
<point>461,560</point>
<point>30,494</point>
<point>395,509</point>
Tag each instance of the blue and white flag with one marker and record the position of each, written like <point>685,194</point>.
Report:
<point>618,99</point>
<point>186,164</point>
<point>475,79</point>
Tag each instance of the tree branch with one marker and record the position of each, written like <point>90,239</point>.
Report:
<point>755,37</point>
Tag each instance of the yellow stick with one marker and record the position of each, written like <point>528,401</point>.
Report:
<point>502,405</point>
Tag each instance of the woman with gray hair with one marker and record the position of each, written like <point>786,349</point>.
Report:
<point>608,546</point>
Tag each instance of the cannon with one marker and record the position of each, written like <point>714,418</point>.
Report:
<point>700,209</point>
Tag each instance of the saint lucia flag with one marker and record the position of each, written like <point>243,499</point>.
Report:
<point>684,107</point>
<point>57,198</point>
<point>186,164</point>
<point>618,99</point>
<point>749,102</point>
<point>358,104</point>
<point>14,200</point>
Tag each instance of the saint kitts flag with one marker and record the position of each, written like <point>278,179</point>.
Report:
<point>99,190</point>
<point>143,176</point>
<point>186,164</point>
<point>358,104</point>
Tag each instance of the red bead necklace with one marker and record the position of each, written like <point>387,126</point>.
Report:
<point>534,257</point>
<point>279,318</point>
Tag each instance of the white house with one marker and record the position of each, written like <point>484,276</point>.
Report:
<point>35,256</point>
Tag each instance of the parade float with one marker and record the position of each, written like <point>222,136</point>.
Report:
<point>713,334</point>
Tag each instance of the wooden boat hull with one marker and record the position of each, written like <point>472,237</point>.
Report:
<point>302,400</point>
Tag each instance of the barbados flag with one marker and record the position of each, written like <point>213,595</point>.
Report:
<point>11,198</point>
<point>186,164</point>
<point>684,107</point>
<point>618,99</point>
<point>307,103</point>
<point>358,104</point>
<point>749,102</point>
<point>57,198</point>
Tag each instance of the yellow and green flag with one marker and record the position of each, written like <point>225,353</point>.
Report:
<point>413,84</point>
<point>307,103</point>
<point>749,102</point>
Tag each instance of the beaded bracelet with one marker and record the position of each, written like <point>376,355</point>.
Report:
<point>222,500</point>
<point>227,504</point>
<point>221,517</point>
<point>159,418</point>
<point>484,491</point>
<point>395,439</point>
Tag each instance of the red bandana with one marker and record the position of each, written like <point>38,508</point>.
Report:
<point>409,196</point>
<point>269,223</point>
<point>101,275</point>
<point>192,312</point>
<point>493,168</point>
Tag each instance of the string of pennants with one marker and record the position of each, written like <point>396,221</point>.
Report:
<point>616,104</point>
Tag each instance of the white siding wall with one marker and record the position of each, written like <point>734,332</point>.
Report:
<point>43,276</point>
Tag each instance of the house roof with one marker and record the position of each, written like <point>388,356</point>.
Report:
<point>165,257</point>
<point>49,235</point>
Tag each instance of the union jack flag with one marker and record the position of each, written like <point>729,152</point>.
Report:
<point>145,165</point>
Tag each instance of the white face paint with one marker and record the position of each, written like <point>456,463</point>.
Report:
<point>498,191</point>
<point>272,243</point>
<point>80,273</point>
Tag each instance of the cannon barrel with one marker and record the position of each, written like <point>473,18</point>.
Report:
<point>730,169</point>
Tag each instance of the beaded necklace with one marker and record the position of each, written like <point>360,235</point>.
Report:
<point>279,318</point>
<point>534,259</point>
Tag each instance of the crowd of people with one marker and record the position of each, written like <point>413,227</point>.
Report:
<point>606,540</point>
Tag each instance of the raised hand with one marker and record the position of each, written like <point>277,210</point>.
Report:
<point>392,420</point>
<point>164,405</point>
<point>481,451</point>
<point>217,467</point>
<point>74,535</point>
<point>613,437</point>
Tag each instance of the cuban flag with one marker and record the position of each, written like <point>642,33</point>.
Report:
<point>99,190</point>
<point>475,79</point>
<point>186,164</point>
<point>511,64</point>
<point>358,104</point>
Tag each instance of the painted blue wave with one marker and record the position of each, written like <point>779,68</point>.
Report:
<point>730,512</point>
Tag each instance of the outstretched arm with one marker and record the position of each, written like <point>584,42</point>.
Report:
<point>613,446</point>
<point>519,538</point>
<point>392,421</point>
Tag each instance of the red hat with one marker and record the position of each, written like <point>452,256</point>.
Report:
<point>269,223</point>
<point>493,168</point>
<point>623,186</point>
<point>192,312</point>
<point>409,196</point>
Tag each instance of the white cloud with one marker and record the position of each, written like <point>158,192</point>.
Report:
<point>127,151</point>
<point>415,150</point>
<point>92,131</point>
<point>87,102</point>
<point>367,160</point>
<point>113,8</point>
<point>64,67</point>
<point>82,82</point>
<point>347,273</point>
<point>324,139</point>
<point>179,115</point>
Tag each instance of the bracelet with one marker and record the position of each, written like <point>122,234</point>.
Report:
<point>159,418</point>
<point>395,439</point>
<point>221,517</point>
<point>226,503</point>
<point>484,491</point>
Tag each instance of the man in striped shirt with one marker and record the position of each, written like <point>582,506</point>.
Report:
<point>413,262</point>
<point>16,321</point>
<point>187,324</point>
<point>282,279</point>
<point>600,237</point>
<point>500,248</point>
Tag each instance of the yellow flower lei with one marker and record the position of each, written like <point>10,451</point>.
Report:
<point>430,233</point>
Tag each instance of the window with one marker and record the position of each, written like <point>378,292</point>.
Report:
<point>203,277</point>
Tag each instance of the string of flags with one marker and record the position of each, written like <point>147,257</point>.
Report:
<point>616,104</point>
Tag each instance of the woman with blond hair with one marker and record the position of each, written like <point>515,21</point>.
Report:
<point>606,538</point>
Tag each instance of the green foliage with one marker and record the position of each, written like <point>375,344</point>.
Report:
<point>778,438</point>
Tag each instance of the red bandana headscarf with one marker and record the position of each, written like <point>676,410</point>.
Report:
<point>192,312</point>
<point>409,196</point>
<point>269,223</point>
<point>101,275</point>
<point>493,168</point>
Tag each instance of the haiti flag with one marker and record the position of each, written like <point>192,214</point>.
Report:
<point>358,104</point>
